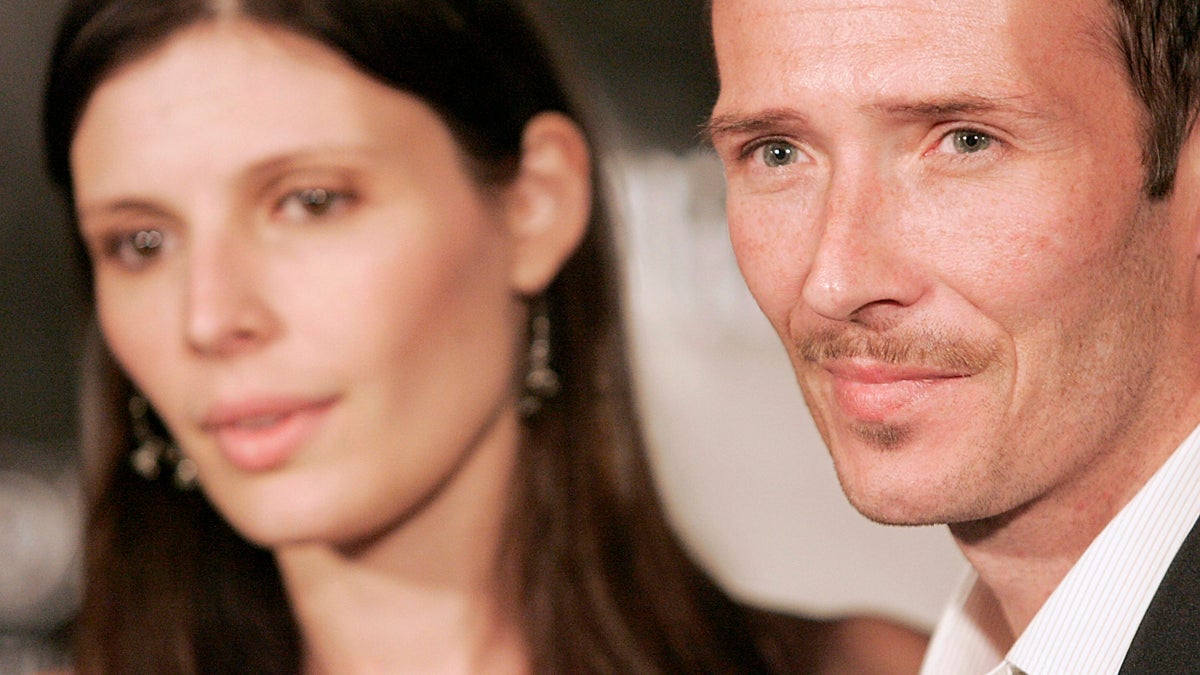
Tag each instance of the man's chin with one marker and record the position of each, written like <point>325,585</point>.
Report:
<point>898,519</point>
<point>894,475</point>
<point>897,504</point>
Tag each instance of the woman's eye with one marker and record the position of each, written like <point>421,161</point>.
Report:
<point>965,142</point>
<point>312,203</point>
<point>135,249</point>
<point>775,154</point>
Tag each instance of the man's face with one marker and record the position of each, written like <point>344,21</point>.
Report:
<point>938,205</point>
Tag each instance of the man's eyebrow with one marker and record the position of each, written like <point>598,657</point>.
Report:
<point>942,106</point>
<point>736,123</point>
<point>959,104</point>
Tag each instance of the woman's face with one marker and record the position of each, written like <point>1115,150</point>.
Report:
<point>293,264</point>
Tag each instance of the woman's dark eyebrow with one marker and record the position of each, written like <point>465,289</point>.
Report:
<point>298,156</point>
<point>130,206</point>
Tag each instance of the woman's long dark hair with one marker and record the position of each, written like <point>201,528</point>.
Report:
<point>600,583</point>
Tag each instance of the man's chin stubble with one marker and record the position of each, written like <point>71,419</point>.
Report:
<point>881,435</point>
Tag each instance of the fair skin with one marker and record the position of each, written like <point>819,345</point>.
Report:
<point>939,207</point>
<point>295,265</point>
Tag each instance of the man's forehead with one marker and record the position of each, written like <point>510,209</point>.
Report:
<point>809,66</point>
<point>890,47</point>
<point>849,21</point>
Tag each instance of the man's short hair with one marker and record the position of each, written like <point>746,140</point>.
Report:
<point>1160,42</point>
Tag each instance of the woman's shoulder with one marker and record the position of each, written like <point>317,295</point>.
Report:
<point>860,644</point>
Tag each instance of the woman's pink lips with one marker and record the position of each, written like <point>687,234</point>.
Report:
<point>878,392</point>
<point>263,434</point>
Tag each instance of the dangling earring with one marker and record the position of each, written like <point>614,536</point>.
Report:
<point>154,452</point>
<point>541,382</point>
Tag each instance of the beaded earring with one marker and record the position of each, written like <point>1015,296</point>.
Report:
<point>154,454</point>
<point>540,382</point>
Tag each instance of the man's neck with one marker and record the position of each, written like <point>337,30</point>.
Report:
<point>1022,555</point>
<point>1014,579</point>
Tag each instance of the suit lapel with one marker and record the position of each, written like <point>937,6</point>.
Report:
<point>1168,640</point>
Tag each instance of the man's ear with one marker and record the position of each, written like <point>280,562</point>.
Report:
<point>548,205</point>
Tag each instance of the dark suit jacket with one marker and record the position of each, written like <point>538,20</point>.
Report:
<point>1168,640</point>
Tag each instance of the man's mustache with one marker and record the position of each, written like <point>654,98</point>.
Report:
<point>930,349</point>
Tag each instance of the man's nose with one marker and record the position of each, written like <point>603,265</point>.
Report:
<point>860,262</point>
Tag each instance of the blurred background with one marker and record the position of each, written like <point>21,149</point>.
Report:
<point>40,314</point>
<point>742,469</point>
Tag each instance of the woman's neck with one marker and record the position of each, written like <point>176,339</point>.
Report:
<point>362,620</point>
<point>427,596</point>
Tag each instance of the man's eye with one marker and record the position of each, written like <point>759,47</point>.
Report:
<point>775,154</point>
<point>312,203</point>
<point>966,141</point>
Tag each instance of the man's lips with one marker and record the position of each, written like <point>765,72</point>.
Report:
<point>263,433</point>
<point>873,391</point>
<point>867,371</point>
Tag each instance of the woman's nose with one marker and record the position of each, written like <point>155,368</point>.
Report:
<point>226,307</point>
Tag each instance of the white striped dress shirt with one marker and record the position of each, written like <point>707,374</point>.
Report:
<point>1088,622</point>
